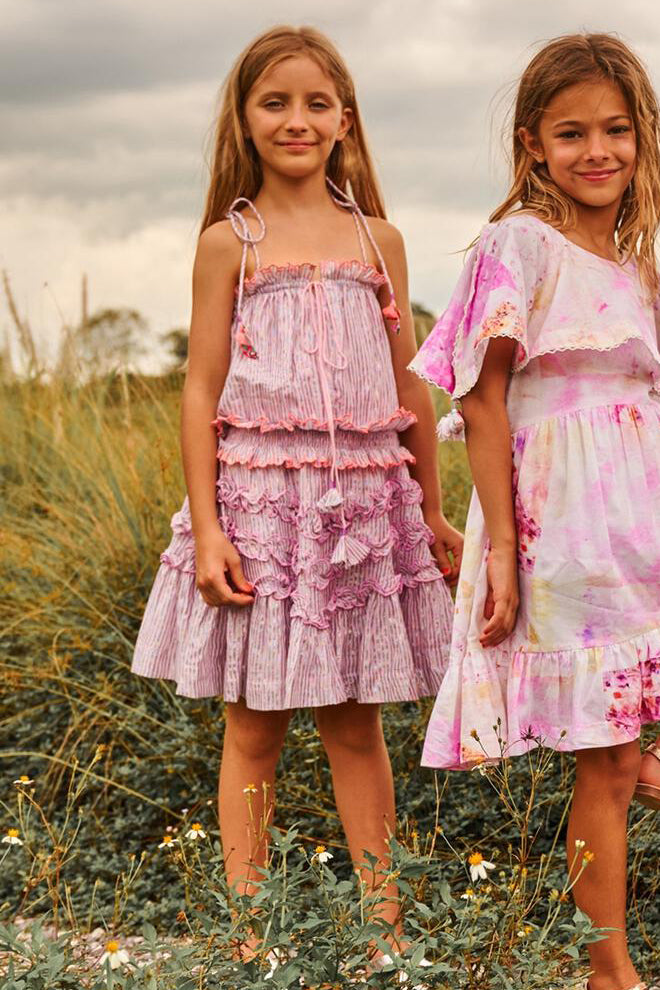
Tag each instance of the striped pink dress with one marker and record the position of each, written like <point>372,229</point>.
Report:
<point>314,491</point>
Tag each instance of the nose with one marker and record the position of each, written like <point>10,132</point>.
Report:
<point>597,149</point>
<point>296,121</point>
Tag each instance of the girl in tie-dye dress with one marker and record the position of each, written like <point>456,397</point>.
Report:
<point>550,343</point>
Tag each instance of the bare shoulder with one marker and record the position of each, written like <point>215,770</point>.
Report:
<point>388,237</point>
<point>218,244</point>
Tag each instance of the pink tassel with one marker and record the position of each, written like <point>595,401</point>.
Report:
<point>392,313</point>
<point>244,342</point>
<point>349,551</point>
<point>331,500</point>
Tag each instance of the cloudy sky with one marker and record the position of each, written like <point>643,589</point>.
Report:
<point>106,107</point>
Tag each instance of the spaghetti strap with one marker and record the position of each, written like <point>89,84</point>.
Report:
<point>249,240</point>
<point>363,246</point>
<point>391,312</point>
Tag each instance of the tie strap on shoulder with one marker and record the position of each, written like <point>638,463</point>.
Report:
<point>391,312</point>
<point>249,240</point>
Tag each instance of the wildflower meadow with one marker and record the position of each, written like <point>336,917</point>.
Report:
<point>111,867</point>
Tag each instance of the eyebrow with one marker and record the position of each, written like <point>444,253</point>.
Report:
<point>579,123</point>
<point>282,94</point>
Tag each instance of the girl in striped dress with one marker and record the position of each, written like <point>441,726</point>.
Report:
<point>309,564</point>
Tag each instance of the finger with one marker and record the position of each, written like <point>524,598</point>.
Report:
<point>237,597</point>
<point>457,553</point>
<point>218,593</point>
<point>500,625</point>
<point>239,580</point>
<point>489,604</point>
<point>442,559</point>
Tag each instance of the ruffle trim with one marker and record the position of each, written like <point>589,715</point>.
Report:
<point>398,420</point>
<point>291,557</point>
<point>345,462</point>
<point>523,355</point>
<point>264,655</point>
<point>285,505</point>
<point>569,699</point>
<point>352,270</point>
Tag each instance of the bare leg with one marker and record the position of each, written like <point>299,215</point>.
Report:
<point>650,770</point>
<point>252,744</point>
<point>605,780</point>
<point>352,735</point>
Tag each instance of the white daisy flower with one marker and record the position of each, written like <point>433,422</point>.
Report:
<point>167,841</point>
<point>195,831</point>
<point>12,837</point>
<point>322,855</point>
<point>114,955</point>
<point>250,789</point>
<point>24,780</point>
<point>468,895</point>
<point>478,867</point>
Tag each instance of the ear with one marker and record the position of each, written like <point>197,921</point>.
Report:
<point>531,144</point>
<point>346,123</point>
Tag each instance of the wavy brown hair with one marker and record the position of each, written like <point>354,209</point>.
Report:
<point>562,62</point>
<point>235,167</point>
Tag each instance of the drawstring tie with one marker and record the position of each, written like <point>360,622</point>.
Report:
<point>328,352</point>
<point>249,240</point>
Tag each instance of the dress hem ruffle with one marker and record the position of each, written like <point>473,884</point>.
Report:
<point>571,699</point>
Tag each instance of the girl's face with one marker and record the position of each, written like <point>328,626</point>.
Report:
<point>586,138</point>
<point>293,116</point>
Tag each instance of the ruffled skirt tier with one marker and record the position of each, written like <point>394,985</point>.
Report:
<point>582,666</point>
<point>318,633</point>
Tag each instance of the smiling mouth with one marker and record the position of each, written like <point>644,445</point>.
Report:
<point>598,176</point>
<point>296,145</point>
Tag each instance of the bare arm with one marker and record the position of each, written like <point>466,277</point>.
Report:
<point>488,439</point>
<point>214,278</point>
<point>414,395</point>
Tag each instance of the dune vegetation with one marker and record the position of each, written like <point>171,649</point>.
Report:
<point>112,869</point>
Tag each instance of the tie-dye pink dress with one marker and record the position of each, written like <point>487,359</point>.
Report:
<point>582,666</point>
<point>314,491</point>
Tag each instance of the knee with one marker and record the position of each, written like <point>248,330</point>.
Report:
<point>349,735</point>
<point>258,737</point>
<point>613,771</point>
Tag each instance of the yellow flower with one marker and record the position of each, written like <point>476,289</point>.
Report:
<point>167,841</point>
<point>114,955</point>
<point>589,857</point>
<point>250,789</point>
<point>195,831</point>
<point>24,780</point>
<point>478,867</point>
<point>12,837</point>
<point>321,854</point>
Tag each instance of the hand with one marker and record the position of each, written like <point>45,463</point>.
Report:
<point>502,599</point>
<point>219,575</point>
<point>447,541</point>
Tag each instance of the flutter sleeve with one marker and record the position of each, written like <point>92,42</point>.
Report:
<point>493,298</point>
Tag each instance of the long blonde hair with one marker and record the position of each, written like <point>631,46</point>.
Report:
<point>587,58</point>
<point>235,167</point>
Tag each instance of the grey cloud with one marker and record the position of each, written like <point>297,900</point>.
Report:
<point>106,106</point>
